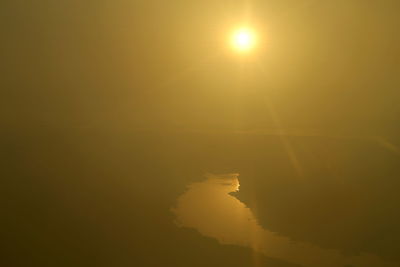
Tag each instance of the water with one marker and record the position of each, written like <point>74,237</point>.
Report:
<point>209,207</point>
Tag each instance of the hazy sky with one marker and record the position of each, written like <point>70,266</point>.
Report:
<point>167,64</point>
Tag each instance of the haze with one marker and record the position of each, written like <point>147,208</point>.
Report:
<point>112,112</point>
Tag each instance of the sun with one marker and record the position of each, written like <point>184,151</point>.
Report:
<point>243,39</point>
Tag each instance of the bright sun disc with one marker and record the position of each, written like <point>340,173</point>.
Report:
<point>243,39</point>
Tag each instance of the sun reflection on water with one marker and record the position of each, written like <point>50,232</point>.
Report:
<point>209,208</point>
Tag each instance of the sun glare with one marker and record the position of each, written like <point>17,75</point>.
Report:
<point>243,39</point>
